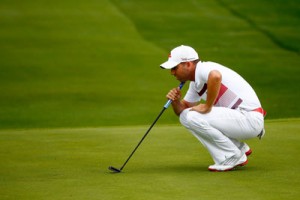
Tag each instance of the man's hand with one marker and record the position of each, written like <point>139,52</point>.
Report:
<point>177,104</point>
<point>174,94</point>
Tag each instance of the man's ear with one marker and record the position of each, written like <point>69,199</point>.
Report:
<point>189,64</point>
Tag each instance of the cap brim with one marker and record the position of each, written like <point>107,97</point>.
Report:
<point>169,64</point>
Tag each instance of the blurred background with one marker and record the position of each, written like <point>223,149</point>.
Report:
<point>96,63</point>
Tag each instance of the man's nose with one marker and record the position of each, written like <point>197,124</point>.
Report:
<point>172,71</point>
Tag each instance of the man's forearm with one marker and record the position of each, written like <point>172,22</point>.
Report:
<point>178,106</point>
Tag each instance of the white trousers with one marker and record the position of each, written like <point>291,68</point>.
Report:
<point>221,130</point>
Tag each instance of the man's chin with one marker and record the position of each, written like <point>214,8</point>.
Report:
<point>180,80</point>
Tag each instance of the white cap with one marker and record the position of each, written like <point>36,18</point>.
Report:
<point>178,55</point>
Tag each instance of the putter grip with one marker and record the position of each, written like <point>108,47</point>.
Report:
<point>170,101</point>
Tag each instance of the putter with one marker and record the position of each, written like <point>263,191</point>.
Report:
<point>116,170</point>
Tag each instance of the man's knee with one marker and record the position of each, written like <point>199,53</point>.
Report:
<point>193,120</point>
<point>183,118</point>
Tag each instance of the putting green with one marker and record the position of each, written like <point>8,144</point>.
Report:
<point>170,164</point>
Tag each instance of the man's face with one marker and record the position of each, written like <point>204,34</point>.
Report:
<point>181,72</point>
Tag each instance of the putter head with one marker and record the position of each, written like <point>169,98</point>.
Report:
<point>113,169</point>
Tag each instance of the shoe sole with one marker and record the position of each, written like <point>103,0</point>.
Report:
<point>226,170</point>
<point>242,164</point>
<point>248,153</point>
<point>215,170</point>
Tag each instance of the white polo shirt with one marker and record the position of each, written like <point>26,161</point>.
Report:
<point>235,91</point>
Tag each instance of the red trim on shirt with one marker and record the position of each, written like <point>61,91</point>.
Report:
<point>204,88</point>
<point>223,89</point>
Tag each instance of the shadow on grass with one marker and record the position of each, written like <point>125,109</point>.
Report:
<point>182,168</point>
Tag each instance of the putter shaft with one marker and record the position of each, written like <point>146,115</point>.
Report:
<point>161,112</point>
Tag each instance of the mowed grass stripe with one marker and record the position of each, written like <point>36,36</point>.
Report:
<point>222,36</point>
<point>68,64</point>
<point>171,163</point>
<point>96,63</point>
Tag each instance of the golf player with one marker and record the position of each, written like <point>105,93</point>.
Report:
<point>220,108</point>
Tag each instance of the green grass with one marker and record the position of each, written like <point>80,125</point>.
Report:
<point>95,63</point>
<point>170,164</point>
<point>259,39</point>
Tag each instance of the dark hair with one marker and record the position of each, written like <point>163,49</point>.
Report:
<point>195,61</point>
